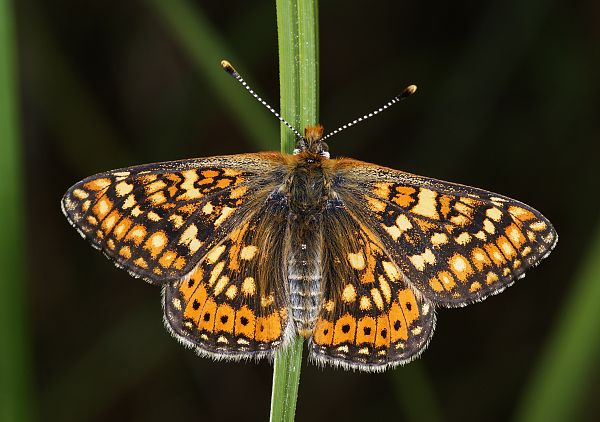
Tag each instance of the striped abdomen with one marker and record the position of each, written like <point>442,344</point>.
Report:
<point>304,273</point>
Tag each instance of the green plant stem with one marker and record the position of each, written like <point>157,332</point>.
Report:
<point>286,379</point>
<point>15,365</point>
<point>569,364</point>
<point>297,26</point>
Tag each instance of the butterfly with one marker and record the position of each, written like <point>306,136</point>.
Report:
<point>254,249</point>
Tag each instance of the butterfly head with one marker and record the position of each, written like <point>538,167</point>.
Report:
<point>312,142</point>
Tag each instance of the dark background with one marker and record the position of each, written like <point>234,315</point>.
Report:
<point>507,101</point>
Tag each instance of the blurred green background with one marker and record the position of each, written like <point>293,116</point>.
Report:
<point>508,101</point>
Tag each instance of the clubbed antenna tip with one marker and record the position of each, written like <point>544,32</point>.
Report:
<point>231,70</point>
<point>406,92</point>
<point>228,67</point>
<point>409,90</point>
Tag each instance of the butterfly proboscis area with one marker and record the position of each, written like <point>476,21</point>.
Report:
<point>253,249</point>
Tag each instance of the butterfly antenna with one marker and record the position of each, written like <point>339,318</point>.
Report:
<point>408,91</point>
<point>231,70</point>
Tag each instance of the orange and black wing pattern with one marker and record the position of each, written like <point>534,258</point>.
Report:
<point>159,220</point>
<point>455,244</point>
<point>233,304</point>
<point>371,318</point>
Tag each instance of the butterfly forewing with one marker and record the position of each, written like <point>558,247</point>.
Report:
<point>233,304</point>
<point>371,318</point>
<point>158,220</point>
<point>454,243</point>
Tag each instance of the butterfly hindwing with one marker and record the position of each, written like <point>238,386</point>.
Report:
<point>455,243</point>
<point>233,305</point>
<point>371,319</point>
<point>158,220</point>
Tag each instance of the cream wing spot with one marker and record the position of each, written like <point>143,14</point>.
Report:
<point>102,207</point>
<point>207,208</point>
<point>393,231</point>
<point>377,298</point>
<point>238,192</point>
<point>129,202</point>
<point>463,238</point>
<point>248,286</point>
<point>357,261</point>
<point>481,235</point>
<point>98,184</point>
<point>137,234</point>
<point>391,270</point>
<point>176,303</point>
<point>248,252</point>
<point>225,213</point>
<point>156,242</point>
<point>231,292</point>
<point>538,226</point>
<point>426,204</point>
<point>123,188</point>
<point>349,294</point>
<point>329,306</point>
<point>385,289</point>
<point>419,261</point>
<point>488,226</point>
<point>215,253</point>
<point>403,223</point>
<point>459,264</point>
<point>494,213</point>
<point>439,239</point>
<point>188,237</point>
<point>136,212</point>
<point>153,216</point>
<point>80,194</point>
<point>223,280</point>
<point>365,303</point>
<point>177,220</point>
<point>154,187</point>
<point>189,178</point>
<point>216,272</point>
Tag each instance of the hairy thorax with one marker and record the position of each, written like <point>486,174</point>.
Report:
<point>308,187</point>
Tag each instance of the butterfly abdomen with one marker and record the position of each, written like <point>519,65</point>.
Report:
<point>304,272</point>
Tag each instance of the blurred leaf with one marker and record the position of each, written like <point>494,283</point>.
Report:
<point>98,369</point>
<point>415,393</point>
<point>15,358</point>
<point>569,361</point>
<point>499,43</point>
<point>206,49</point>
<point>65,102</point>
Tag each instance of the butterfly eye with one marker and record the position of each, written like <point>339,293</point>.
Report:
<point>323,149</point>
<point>301,145</point>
